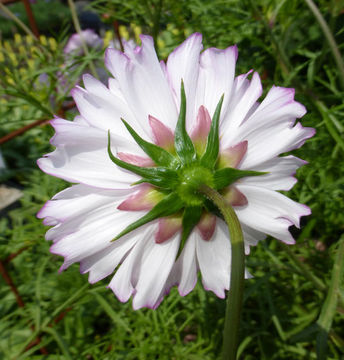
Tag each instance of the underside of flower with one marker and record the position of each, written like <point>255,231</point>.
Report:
<point>175,176</point>
<point>165,230</point>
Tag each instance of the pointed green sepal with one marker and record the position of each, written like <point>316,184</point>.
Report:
<point>182,141</point>
<point>227,176</point>
<point>191,217</point>
<point>166,207</point>
<point>212,149</point>
<point>159,155</point>
<point>158,176</point>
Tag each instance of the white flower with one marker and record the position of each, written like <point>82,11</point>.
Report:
<point>86,217</point>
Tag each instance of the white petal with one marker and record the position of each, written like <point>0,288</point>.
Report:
<point>143,83</point>
<point>104,262</point>
<point>184,270</point>
<point>280,173</point>
<point>81,156</point>
<point>214,259</point>
<point>251,237</point>
<point>79,200</point>
<point>270,141</point>
<point>93,233</point>
<point>156,264</point>
<point>101,108</point>
<point>270,212</point>
<point>145,270</point>
<point>278,105</point>
<point>183,64</point>
<point>123,282</point>
<point>277,110</point>
<point>243,101</point>
<point>216,76</point>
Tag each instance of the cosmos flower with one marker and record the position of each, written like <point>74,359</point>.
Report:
<point>141,217</point>
<point>74,44</point>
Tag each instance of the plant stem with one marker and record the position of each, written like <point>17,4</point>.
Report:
<point>328,310</point>
<point>17,21</point>
<point>279,53</point>
<point>76,24</point>
<point>330,39</point>
<point>235,294</point>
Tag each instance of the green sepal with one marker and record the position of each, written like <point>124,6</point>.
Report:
<point>227,176</point>
<point>182,142</point>
<point>159,155</point>
<point>191,217</point>
<point>212,149</point>
<point>158,176</point>
<point>167,206</point>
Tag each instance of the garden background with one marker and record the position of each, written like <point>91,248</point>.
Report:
<point>294,305</point>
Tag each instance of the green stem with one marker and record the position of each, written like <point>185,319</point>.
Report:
<point>279,53</point>
<point>235,294</point>
<point>330,39</point>
<point>328,310</point>
<point>26,30</point>
<point>17,20</point>
<point>76,24</point>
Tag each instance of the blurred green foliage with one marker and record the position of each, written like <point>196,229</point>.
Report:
<point>281,320</point>
<point>49,16</point>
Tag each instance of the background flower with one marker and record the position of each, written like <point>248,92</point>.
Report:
<point>74,44</point>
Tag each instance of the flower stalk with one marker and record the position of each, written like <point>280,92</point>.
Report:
<point>328,310</point>
<point>235,294</point>
<point>83,42</point>
<point>15,18</point>
<point>330,39</point>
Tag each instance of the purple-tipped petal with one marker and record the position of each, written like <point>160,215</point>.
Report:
<point>216,78</point>
<point>143,83</point>
<point>183,64</point>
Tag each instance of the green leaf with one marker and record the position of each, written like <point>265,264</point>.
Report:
<point>191,217</point>
<point>158,176</point>
<point>212,150</point>
<point>227,176</point>
<point>159,155</point>
<point>167,206</point>
<point>30,99</point>
<point>182,142</point>
<point>115,316</point>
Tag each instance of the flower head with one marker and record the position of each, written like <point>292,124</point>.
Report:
<point>74,44</point>
<point>136,204</point>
